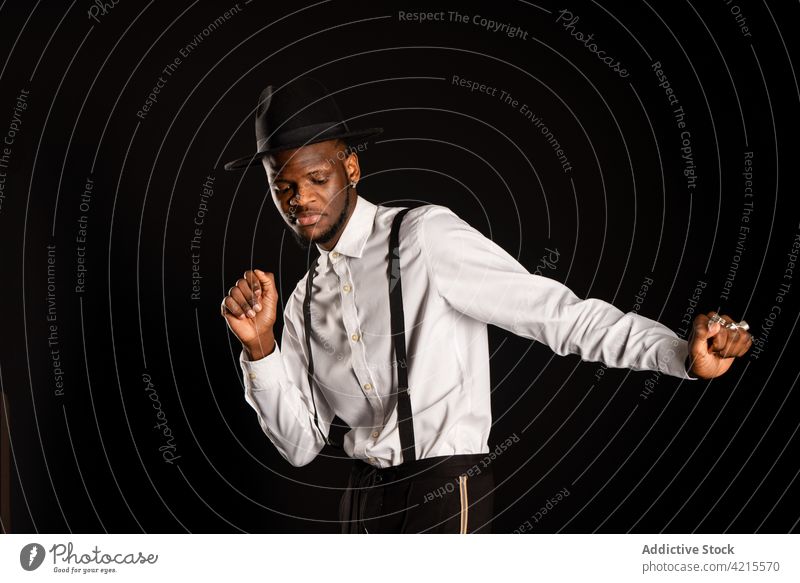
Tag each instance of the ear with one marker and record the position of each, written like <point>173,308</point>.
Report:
<point>352,168</point>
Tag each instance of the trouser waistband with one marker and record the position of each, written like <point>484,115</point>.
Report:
<point>444,466</point>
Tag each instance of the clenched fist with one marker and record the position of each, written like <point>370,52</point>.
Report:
<point>250,310</point>
<point>712,348</point>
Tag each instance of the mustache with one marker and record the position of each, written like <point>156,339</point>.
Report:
<point>295,212</point>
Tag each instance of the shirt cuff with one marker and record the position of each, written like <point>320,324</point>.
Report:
<point>688,366</point>
<point>675,361</point>
<point>264,373</point>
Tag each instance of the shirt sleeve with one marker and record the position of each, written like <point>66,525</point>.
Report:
<point>478,278</point>
<point>277,388</point>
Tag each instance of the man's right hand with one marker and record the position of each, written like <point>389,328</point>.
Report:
<point>250,310</point>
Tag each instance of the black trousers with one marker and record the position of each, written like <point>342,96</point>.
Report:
<point>445,494</point>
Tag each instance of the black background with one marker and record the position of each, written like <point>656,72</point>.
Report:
<point>717,456</point>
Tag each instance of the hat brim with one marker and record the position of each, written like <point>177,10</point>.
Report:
<point>255,159</point>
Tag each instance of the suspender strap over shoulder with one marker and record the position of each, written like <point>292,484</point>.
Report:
<point>404,418</point>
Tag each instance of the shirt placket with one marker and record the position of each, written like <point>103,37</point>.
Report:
<point>361,370</point>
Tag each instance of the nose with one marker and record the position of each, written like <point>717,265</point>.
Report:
<point>304,194</point>
<point>302,199</point>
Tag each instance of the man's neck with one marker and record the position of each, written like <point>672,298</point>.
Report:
<point>352,207</point>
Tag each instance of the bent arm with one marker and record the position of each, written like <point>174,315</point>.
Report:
<point>480,279</point>
<point>277,388</point>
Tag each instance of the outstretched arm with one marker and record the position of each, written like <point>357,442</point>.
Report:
<point>480,279</point>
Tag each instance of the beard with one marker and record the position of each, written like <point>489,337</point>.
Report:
<point>330,233</point>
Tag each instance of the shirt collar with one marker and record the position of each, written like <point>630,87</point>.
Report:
<point>356,232</point>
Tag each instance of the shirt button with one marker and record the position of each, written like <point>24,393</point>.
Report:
<point>372,460</point>
<point>368,387</point>
<point>335,254</point>
<point>375,434</point>
<point>355,337</point>
<point>346,287</point>
<point>252,375</point>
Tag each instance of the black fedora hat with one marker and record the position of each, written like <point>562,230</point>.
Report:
<point>296,115</point>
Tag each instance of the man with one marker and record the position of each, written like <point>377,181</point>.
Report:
<point>388,330</point>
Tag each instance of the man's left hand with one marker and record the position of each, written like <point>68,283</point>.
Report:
<point>713,348</point>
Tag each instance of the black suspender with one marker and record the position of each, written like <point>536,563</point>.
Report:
<point>307,325</point>
<point>404,420</point>
<point>404,415</point>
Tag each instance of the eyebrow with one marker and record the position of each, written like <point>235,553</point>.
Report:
<point>320,170</point>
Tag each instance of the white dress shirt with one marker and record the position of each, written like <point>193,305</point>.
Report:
<point>455,282</point>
